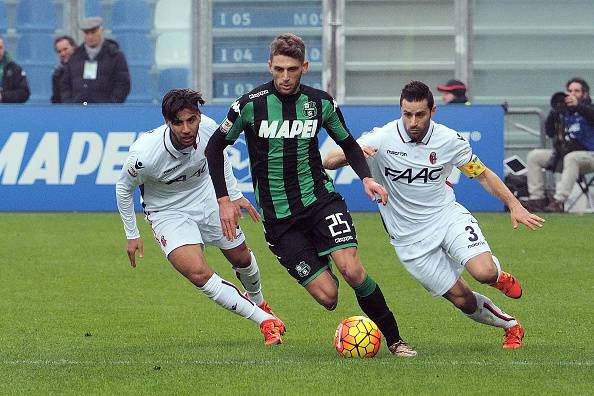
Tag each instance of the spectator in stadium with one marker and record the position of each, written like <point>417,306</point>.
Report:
<point>454,91</point>
<point>305,220</point>
<point>178,199</point>
<point>570,124</point>
<point>97,71</point>
<point>14,87</point>
<point>64,46</point>
<point>435,237</point>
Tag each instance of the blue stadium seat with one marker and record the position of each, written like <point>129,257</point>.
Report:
<point>40,83</point>
<point>92,7</point>
<point>133,14</point>
<point>3,19</point>
<point>36,15</point>
<point>36,47</point>
<point>129,14</point>
<point>170,78</point>
<point>139,47</point>
<point>143,83</point>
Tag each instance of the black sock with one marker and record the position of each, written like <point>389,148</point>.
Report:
<point>375,307</point>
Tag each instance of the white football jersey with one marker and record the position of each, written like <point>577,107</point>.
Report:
<point>414,174</point>
<point>168,178</point>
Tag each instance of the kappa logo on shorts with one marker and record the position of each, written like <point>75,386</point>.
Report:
<point>163,241</point>
<point>303,269</point>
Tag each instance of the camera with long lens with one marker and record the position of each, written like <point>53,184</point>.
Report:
<point>558,102</point>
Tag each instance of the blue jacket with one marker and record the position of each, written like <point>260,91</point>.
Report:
<point>580,125</point>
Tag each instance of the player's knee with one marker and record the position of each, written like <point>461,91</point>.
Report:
<point>239,256</point>
<point>199,278</point>
<point>353,274</point>
<point>488,274</point>
<point>326,296</point>
<point>329,301</point>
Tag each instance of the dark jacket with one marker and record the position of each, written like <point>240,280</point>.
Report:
<point>15,88</point>
<point>112,84</point>
<point>56,83</point>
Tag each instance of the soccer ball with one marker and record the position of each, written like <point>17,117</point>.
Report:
<point>357,336</point>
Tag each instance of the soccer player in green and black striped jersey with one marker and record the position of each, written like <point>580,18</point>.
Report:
<point>306,221</point>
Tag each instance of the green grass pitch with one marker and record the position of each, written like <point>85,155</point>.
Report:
<point>76,319</point>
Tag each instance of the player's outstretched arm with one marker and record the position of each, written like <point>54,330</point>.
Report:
<point>519,215</point>
<point>134,245</point>
<point>336,159</point>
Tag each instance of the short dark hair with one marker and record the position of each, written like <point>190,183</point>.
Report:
<point>417,91</point>
<point>178,99</point>
<point>67,38</point>
<point>288,44</point>
<point>583,83</point>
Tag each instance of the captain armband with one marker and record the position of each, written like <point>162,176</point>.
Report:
<point>473,168</point>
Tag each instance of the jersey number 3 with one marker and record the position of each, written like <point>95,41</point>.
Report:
<point>473,236</point>
<point>336,221</point>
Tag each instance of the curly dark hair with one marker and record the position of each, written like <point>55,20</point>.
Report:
<point>178,99</point>
<point>416,91</point>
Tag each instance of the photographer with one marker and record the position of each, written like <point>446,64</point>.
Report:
<point>570,124</point>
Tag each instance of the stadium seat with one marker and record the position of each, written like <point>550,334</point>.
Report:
<point>172,78</point>
<point>143,83</point>
<point>133,14</point>
<point>138,46</point>
<point>36,15</point>
<point>40,82</point>
<point>3,19</point>
<point>36,47</point>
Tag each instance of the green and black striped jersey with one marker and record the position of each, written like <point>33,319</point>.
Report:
<point>282,138</point>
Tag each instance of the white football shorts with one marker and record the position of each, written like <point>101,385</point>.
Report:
<point>173,229</point>
<point>437,262</point>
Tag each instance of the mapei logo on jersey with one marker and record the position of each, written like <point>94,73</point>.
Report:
<point>424,174</point>
<point>309,109</point>
<point>433,157</point>
<point>288,129</point>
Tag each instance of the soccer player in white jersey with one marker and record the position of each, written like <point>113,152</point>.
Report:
<point>169,166</point>
<point>434,236</point>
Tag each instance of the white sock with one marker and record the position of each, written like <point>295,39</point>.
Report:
<point>488,313</point>
<point>498,265</point>
<point>250,279</point>
<point>228,296</point>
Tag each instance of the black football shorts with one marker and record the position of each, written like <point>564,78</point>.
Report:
<point>303,243</point>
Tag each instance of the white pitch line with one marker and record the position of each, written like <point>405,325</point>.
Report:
<point>411,362</point>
